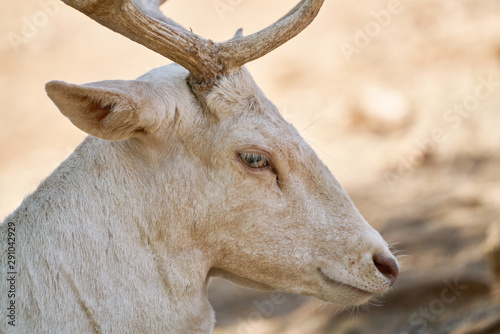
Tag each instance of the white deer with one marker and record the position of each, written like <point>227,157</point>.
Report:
<point>189,172</point>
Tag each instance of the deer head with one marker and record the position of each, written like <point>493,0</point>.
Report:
<point>226,172</point>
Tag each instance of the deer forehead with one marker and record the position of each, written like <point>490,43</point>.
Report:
<point>235,109</point>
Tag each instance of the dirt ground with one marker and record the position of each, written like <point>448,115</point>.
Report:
<point>400,99</point>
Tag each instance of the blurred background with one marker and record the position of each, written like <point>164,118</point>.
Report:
<point>401,99</point>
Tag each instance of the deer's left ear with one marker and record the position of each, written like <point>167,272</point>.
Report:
<point>110,110</point>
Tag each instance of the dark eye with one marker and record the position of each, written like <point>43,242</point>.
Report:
<point>255,160</point>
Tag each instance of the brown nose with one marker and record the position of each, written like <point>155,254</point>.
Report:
<point>387,266</point>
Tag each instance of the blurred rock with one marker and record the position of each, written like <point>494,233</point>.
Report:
<point>483,320</point>
<point>380,109</point>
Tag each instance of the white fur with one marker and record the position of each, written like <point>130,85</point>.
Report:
<point>125,234</point>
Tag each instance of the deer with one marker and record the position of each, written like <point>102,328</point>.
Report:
<point>188,172</point>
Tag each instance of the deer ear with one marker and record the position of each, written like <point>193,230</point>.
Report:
<point>110,110</point>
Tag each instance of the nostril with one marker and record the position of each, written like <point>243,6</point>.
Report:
<point>387,266</point>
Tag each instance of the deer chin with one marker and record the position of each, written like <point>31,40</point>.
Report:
<point>343,293</point>
<point>238,280</point>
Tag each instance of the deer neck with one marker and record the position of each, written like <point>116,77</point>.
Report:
<point>126,252</point>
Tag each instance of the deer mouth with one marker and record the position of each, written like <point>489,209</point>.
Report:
<point>338,284</point>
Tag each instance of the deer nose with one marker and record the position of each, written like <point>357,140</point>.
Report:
<point>387,267</point>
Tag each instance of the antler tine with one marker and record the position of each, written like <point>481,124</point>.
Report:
<point>152,8</point>
<point>237,52</point>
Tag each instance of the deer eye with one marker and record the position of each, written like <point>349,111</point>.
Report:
<point>255,160</point>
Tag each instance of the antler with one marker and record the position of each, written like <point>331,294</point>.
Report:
<point>143,22</point>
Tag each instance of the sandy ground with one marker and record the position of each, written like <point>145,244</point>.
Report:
<point>399,98</point>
